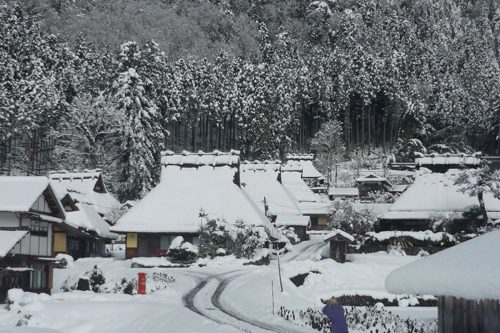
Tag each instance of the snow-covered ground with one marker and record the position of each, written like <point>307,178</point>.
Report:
<point>223,296</point>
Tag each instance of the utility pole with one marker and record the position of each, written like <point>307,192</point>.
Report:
<point>279,269</point>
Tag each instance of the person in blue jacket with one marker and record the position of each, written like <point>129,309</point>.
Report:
<point>335,312</point>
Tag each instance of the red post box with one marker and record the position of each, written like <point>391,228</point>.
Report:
<point>141,283</point>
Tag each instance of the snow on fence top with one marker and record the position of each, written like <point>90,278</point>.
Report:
<point>260,180</point>
<point>435,194</point>
<point>469,270</point>
<point>336,232</point>
<point>300,157</point>
<point>9,239</point>
<point>18,194</point>
<point>447,159</point>
<point>85,186</point>
<point>184,195</point>
<point>188,159</point>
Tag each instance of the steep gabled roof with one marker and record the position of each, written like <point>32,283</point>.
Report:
<point>85,186</point>
<point>302,163</point>
<point>185,189</point>
<point>260,180</point>
<point>469,270</point>
<point>19,193</point>
<point>9,239</point>
<point>436,194</point>
<point>88,219</point>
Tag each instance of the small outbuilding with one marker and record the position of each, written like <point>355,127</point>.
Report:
<point>465,278</point>
<point>372,183</point>
<point>343,193</point>
<point>338,244</point>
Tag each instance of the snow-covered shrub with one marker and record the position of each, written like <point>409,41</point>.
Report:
<point>359,319</point>
<point>239,239</point>
<point>405,151</point>
<point>181,250</point>
<point>290,234</point>
<point>96,279</point>
<point>379,197</point>
<point>350,220</point>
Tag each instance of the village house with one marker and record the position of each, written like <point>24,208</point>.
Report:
<point>87,186</point>
<point>194,187</point>
<point>434,199</point>
<point>371,184</point>
<point>444,162</point>
<point>310,203</point>
<point>303,163</point>
<point>465,280</point>
<point>32,225</point>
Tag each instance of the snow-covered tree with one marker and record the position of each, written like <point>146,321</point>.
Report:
<point>328,144</point>
<point>477,182</point>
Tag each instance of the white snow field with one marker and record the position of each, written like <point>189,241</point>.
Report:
<point>223,296</point>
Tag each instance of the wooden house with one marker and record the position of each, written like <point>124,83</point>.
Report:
<point>443,162</point>
<point>339,241</point>
<point>194,187</point>
<point>372,183</point>
<point>465,280</point>
<point>86,186</point>
<point>32,231</point>
<point>310,203</point>
<point>433,197</point>
<point>299,223</point>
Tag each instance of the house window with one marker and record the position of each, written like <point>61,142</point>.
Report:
<point>38,278</point>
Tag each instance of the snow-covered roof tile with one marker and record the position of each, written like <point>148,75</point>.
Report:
<point>371,178</point>
<point>292,220</point>
<point>338,232</point>
<point>469,270</point>
<point>174,205</point>
<point>305,166</point>
<point>189,159</point>
<point>9,239</point>
<point>448,159</point>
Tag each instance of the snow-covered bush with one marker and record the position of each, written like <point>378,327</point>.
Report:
<point>290,234</point>
<point>350,220</point>
<point>359,319</point>
<point>96,279</point>
<point>405,151</point>
<point>181,250</point>
<point>238,238</point>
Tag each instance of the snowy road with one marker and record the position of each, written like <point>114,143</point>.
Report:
<point>206,298</point>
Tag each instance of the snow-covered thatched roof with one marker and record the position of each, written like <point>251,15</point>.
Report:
<point>19,193</point>
<point>435,194</point>
<point>9,239</point>
<point>88,219</point>
<point>447,159</point>
<point>469,270</point>
<point>260,180</point>
<point>85,186</point>
<point>302,163</point>
<point>297,187</point>
<point>174,205</point>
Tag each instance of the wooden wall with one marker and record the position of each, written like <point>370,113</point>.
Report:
<point>458,315</point>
